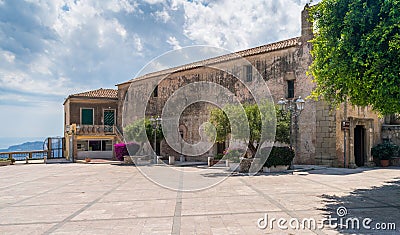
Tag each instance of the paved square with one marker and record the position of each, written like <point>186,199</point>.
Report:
<point>118,199</point>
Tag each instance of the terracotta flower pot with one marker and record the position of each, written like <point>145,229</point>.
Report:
<point>384,163</point>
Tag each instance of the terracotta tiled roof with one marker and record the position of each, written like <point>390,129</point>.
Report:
<point>248,52</point>
<point>99,93</point>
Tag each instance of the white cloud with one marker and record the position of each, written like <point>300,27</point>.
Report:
<point>162,16</point>
<point>8,56</point>
<point>54,48</point>
<point>236,25</point>
<point>174,43</point>
<point>23,82</point>
<point>121,5</point>
<point>138,43</point>
<point>153,1</point>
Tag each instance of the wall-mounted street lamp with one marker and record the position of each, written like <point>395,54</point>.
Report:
<point>294,107</point>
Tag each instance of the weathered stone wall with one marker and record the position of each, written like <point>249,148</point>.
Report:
<point>275,66</point>
<point>392,133</point>
<point>122,91</point>
<point>318,138</point>
<point>357,116</point>
<point>325,152</point>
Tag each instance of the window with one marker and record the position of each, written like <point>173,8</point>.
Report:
<point>82,145</point>
<point>87,116</point>
<point>106,145</point>
<point>94,145</point>
<point>109,117</point>
<point>290,89</point>
<point>249,73</point>
<point>155,92</point>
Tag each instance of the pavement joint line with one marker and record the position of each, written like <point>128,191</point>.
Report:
<point>368,197</point>
<point>88,205</point>
<point>176,224</point>
<point>169,216</point>
<point>291,213</point>
<point>324,184</point>
<point>138,218</point>
<point>31,198</point>
<point>28,181</point>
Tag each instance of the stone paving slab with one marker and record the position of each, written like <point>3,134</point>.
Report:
<point>117,199</point>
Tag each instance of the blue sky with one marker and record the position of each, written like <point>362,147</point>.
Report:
<point>49,49</point>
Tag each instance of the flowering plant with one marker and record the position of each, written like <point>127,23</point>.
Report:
<point>120,151</point>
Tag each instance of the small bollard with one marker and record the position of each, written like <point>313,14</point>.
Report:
<point>159,161</point>
<point>182,158</point>
<point>45,159</point>
<point>26,160</point>
<point>171,160</point>
<point>209,161</point>
<point>227,163</point>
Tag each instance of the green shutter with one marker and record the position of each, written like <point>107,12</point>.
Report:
<point>109,117</point>
<point>87,116</point>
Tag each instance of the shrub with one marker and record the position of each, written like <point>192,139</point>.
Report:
<point>120,151</point>
<point>234,154</point>
<point>132,148</point>
<point>219,156</point>
<point>385,151</point>
<point>279,156</point>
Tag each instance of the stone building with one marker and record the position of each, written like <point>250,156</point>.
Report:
<point>90,127</point>
<point>318,134</point>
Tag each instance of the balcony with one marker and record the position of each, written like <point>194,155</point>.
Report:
<point>95,130</point>
<point>91,129</point>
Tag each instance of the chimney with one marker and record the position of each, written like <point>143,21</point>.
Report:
<point>306,25</point>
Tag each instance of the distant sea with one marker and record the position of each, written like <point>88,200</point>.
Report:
<point>6,142</point>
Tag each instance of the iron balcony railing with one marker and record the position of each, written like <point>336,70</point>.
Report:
<point>40,154</point>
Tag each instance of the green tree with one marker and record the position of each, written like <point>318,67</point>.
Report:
<point>282,127</point>
<point>141,131</point>
<point>254,115</point>
<point>356,53</point>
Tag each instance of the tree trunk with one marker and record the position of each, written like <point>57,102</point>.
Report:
<point>252,149</point>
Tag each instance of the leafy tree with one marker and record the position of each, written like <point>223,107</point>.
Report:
<point>254,115</point>
<point>282,127</point>
<point>141,131</point>
<point>356,53</point>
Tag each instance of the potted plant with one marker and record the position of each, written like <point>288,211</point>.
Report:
<point>279,159</point>
<point>384,152</point>
<point>12,160</point>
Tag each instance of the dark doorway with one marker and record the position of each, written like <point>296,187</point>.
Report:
<point>359,145</point>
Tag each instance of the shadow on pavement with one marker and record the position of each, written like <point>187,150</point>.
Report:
<point>379,204</point>
<point>346,171</point>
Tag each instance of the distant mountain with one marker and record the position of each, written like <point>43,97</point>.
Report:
<point>27,146</point>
